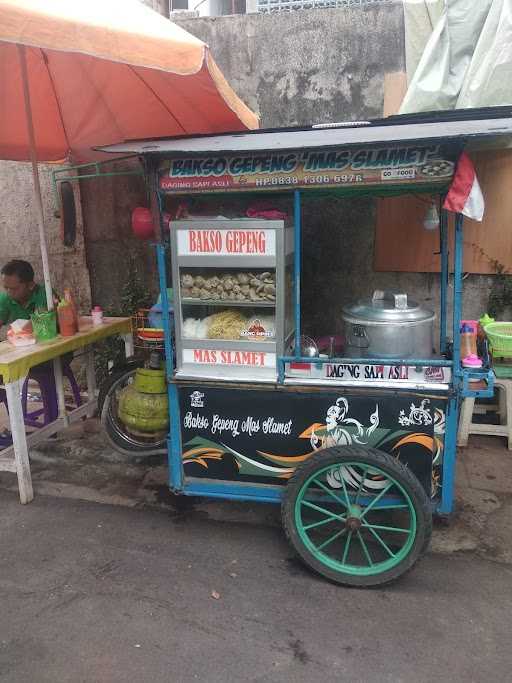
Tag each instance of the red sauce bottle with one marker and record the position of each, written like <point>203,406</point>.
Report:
<point>67,319</point>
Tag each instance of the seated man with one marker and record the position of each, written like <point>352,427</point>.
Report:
<point>19,300</point>
<point>22,296</point>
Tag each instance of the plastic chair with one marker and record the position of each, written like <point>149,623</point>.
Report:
<point>467,426</point>
<point>4,440</point>
<point>43,375</point>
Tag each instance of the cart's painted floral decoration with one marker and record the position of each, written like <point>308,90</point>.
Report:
<point>338,429</point>
<point>418,415</point>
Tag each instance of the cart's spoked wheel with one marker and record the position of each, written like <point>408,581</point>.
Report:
<point>357,516</point>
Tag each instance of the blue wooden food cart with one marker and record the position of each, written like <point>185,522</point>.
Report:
<point>358,447</point>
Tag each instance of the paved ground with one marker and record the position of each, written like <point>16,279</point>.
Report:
<point>97,593</point>
<point>79,465</point>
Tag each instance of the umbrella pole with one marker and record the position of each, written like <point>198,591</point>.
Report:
<point>35,176</point>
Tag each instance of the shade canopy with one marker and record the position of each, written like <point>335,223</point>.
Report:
<point>103,71</point>
<point>75,74</point>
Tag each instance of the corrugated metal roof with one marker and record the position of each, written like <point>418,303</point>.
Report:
<point>379,132</point>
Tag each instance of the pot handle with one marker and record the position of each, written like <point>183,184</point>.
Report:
<point>399,298</point>
<point>358,337</point>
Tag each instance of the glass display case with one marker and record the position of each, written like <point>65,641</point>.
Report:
<point>233,291</point>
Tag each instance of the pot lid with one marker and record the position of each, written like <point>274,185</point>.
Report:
<point>389,307</point>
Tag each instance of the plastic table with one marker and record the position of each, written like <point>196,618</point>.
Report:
<point>15,363</point>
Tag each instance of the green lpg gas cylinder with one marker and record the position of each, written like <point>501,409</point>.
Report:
<point>143,406</point>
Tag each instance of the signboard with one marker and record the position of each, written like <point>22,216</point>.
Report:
<point>355,372</point>
<point>210,240</point>
<point>343,167</point>
<point>262,435</point>
<point>248,359</point>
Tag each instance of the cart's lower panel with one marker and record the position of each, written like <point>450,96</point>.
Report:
<point>259,435</point>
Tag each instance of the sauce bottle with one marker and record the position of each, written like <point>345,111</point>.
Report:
<point>69,299</point>
<point>67,319</point>
<point>97,315</point>
<point>467,339</point>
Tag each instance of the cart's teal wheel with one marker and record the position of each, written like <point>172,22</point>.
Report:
<point>357,516</point>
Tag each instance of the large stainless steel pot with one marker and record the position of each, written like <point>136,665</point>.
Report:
<point>389,326</point>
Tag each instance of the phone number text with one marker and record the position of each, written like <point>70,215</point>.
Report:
<point>310,180</point>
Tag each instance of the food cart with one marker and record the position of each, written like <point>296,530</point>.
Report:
<point>357,446</point>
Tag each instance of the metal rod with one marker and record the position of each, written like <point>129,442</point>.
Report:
<point>86,176</point>
<point>443,228</point>
<point>57,179</point>
<point>457,292</point>
<point>297,266</point>
<point>449,457</point>
<point>96,164</point>
<point>162,277</point>
<point>450,442</point>
<point>262,493</point>
<point>281,366</point>
<point>174,436</point>
<point>35,175</point>
<point>110,174</point>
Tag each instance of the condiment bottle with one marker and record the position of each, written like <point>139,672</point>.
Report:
<point>472,362</point>
<point>467,339</point>
<point>67,319</point>
<point>68,297</point>
<point>97,315</point>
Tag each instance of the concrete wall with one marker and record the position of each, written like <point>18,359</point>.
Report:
<point>111,248</point>
<point>275,64</point>
<point>323,66</point>
<point>160,6</point>
<point>299,68</point>
<point>19,236</point>
<point>307,66</point>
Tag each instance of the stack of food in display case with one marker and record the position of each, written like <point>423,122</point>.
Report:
<point>233,284</point>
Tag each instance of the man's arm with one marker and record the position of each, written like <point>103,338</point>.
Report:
<point>4,313</point>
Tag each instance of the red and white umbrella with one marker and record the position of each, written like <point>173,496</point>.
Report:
<point>75,75</point>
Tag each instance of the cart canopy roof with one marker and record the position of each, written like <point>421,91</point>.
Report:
<point>482,127</point>
<point>396,155</point>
